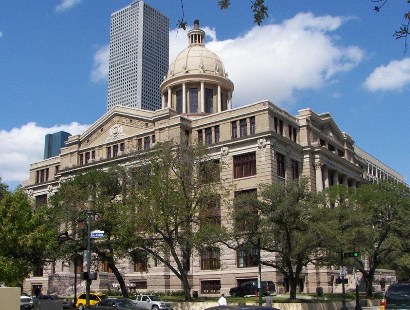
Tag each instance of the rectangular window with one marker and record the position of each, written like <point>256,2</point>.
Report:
<point>41,200</point>
<point>252,125</point>
<point>38,271</point>
<point>146,143</point>
<point>208,135</point>
<point>330,147</point>
<point>280,162</point>
<point>209,171</point>
<point>87,157</point>
<point>104,266</point>
<point>292,133</point>
<point>210,212</point>
<point>122,147</point>
<point>245,216</point>
<point>179,101</point>
<point>140,261</point>
<point>81,159</point>
<point>139,144</point>
<point>244,165</point>
<point>234,127</point>
<point>209,100</point>
<point>200,137</point>
<point>244,127</point>
<point>57,169</point>
<point>246,258</point>
<point>193,100</point>
<point>115,150</point>
<point>294,166</point>
<point>210,287</point>
<point>109,152</point>
<point>153,139</point>
<point>93,155</point>
<point>211,259</point>
<point>216,133</point>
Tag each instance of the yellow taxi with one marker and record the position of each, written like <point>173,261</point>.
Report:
<point>94,298</point>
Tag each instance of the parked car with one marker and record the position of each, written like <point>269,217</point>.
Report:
<point>251,288</point>
<point>94,299</point>
<point>117,303</point>
<point>26,302</point>
<point>152,302</point>
<point>66,304</point>
<point>397,296</point>
<point>241,307</point>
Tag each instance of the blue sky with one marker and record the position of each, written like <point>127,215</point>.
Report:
<point>331,56</point>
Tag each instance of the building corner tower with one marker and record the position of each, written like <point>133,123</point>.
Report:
<point>139,53</point>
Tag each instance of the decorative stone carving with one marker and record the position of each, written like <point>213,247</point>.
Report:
<point>116,133</point>
<point>50,189</point>
<point>30,193</point>
<point>224,151</point>
<point>318,164</point>
<point>262,143</point>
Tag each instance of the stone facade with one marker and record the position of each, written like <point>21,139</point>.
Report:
<point>281,146</point>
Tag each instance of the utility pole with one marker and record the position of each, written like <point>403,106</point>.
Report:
<point>260,273</point>
<point>88,281</point>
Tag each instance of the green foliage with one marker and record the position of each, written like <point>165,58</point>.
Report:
<point>29,236</point>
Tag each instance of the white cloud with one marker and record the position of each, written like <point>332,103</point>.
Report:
<point>67,5</point>
<point>100,67</point>
<point>394,77</point>
<point>273,61</point>
<point>21,146</point>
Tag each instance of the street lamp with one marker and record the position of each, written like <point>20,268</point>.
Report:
<point>88,281</point>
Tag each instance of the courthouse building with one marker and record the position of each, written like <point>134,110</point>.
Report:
<point>259,143</point>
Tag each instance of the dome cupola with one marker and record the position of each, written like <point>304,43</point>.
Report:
<point>196,81</point>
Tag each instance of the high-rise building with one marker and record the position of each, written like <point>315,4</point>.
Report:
<point>54,142</point>
<point>139,53</point>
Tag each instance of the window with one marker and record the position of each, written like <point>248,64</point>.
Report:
<point>210,287</point>
<point>292,133</point>
<point>41,200</point>
<point>115,150</point>
<point>200,138</point>
<point>38,271</point>
<point>209,171</point>
<point>146,143</point>
<point>81,160</point>
<point>139,144</point>
<point>278,124</point>
<point>280,162</point>
<point>140,261</point>
<point>330,147</point>
<point>322,142</point>
<point>209,98</point>
<point>244,165</point>
<point>122,147</point>
<point>193,100</point>
<point>244,127</point>
<point>211,258</point>
<point>216,132</point>
<point>42,175</point>
<point>252,125</point>
<point>87,157</point>
<point>105,267</point>
<point>234,130</point>
<point>109,152</point>
<point>92,155</point>
<point>294,166</point>
<point>247,258</point>
<point>245,214</point>
<point>210,212</point>
<point>179,101</point>
<point>153,139</point>
<point>208,135</point>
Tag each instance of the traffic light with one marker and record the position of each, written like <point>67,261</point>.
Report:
<point>354,254</point>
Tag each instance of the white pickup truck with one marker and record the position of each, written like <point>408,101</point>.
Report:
<point>151,302</point>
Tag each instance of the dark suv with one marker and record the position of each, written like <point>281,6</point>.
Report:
<point>397,296</point>
<point>251,288</point>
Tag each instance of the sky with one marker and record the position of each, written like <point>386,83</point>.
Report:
<point>328,55</point>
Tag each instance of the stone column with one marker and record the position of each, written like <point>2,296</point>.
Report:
<point>162,101</point>
<point>326,176</point>
<point>202,106</point>
<point>169,97</point>
<point>336,178</point>
<point>319,176</point>
<point>183,98</point>
<point>219,99</point>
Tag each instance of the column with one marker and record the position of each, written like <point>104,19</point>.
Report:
<point>202,106</point>
<point>229,100</point>
<point>162,101</point>
<point>183,98</point>
<point>219,99</point>
<point>345,183</point>
<point>319,176</point>
<point>335,178</point>
<point>169,98</point>
<point>326,176</point>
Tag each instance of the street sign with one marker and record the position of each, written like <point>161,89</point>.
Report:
<point>342,271</point>
<point>95,234</point>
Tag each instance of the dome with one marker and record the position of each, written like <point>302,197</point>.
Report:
<point>196,58</point>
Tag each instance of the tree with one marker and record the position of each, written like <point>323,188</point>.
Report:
<point>108,213</point>
<point>287,223</point>
<point>385,208</point>
<point>177,195</point>
<point>28,237</point>
<point>3,189</point>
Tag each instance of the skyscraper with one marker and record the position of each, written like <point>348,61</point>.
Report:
<point>139,52</point>
<point>54,142</point>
